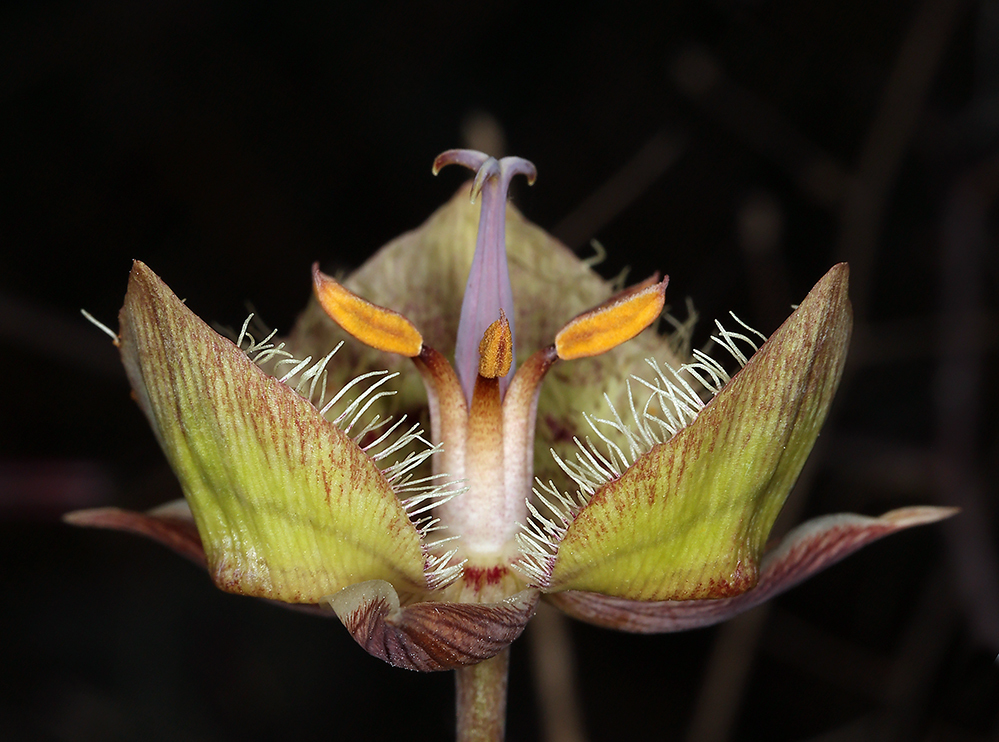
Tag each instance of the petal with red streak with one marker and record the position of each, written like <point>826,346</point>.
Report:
<point>806,550</point>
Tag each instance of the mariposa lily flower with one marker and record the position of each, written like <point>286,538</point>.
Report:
<point>308,482</point>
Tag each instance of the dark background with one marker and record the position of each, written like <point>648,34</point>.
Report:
<point>742,147</point>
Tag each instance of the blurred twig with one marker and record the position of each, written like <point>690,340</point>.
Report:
<point>923,646</point>
<point>763,129</point>
<point>959,386</point>
<point>620,190</point>
<point>889,137</point>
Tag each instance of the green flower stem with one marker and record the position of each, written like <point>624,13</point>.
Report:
<point>480,699</point>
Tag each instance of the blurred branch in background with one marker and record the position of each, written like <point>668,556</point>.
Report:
<point>902,106</point>
<point>959,389</point>
<point>620,191</point>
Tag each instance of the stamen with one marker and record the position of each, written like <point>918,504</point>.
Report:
<point>613,322</point>
<point>496,349</point>
<point>381,328</point>
<point>488,290</point>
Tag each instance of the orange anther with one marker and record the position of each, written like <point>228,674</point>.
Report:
<point>613,322</point>
<point>496,349</point>
<point>373,325</point>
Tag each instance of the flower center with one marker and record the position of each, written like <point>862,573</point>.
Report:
<point>482,410</point>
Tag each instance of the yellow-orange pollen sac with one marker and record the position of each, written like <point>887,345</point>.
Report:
<point>496,349</point>
<point>614,322</point>
<point>378,327</point>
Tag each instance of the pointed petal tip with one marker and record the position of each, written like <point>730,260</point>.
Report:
<point>143,274</point>
<point>918,515</point>
<point>145,292</point>
<point>833,287</point>
<point>90,518</point>
<point>832,292</point>
<point>839,271</point>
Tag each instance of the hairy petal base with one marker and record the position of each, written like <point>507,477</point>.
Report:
<point>690,518</point>
<point>287,506</point>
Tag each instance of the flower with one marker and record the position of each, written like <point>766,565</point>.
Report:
<point>434,548</point>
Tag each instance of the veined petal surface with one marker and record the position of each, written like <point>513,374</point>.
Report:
<point>287,506</point>
<point>430,636</point>
<point>689,519</point>
<point>808,549</point>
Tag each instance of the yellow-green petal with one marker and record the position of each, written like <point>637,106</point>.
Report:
<point>690,518</point>
<point>286,505</point>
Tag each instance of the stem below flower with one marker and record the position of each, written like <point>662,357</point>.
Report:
<point>480,699</point>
